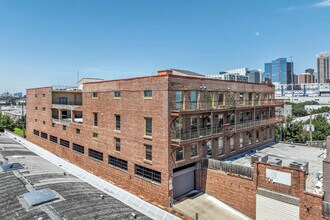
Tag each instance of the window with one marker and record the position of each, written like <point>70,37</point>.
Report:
<point>95,116</point>
<point>44,122</point>
<point>36,108</point>
<point>53,139</point>
<point>35,95</point>
<point>53,125</point>
<point>209,149</point>
<point>117,140</point>
<point>250,137</point>
<point>257,136</point>
<point>220,120</point>
<point>43,109</point>
<point>43,95</point>
<point>118,122</point>
<point>148,126</point>
<point>241,139</point>
<point>241,117</point>
<point>117,94</point>
<point>95,135</point>
<point>250,98</point>
<point>221,99</point>
<point>95,95</point>
<point>231,143</point>
<point>62,100</point>
<point>178,100</point>
<point>64,127</point>
<point>78,148</point>
<point>36,132</point>
<point>77,131</point>
<point>36,120</point>
<point>179,153</point>
<point>220,146</point>
<point>147,93</point>
<point>193,150</point>
<point>64,143</point>
<point>257,98</point>
<point>95,154</point>
<point>241,98</point>
<point>116,162</point>
<point>232,119</point>
<point>148,152</point>
<point>44,135</point>
<point>147,173</point>
<point>193,99</point>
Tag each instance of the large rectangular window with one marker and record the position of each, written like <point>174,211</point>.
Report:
<point>179,153</point>
<point>221,99</point>
<point>118,122</point>
<point>178,100</point>
<point>78,148</point>
<point>220,146</point>
<point>95,117</point>
<point>53,139</point>
<point>241,98</point>
<point>147,173</point>
<point>148,152</point>
<point>148,131</point>
<point>36,132</point>
<point>231,143</point>
<point>95,154</point>
<point>117,94</point>
<point>193,150</point>
<point>44,135</point>
<point>241,139</point>
<point>116,162</point>
<point>193,99</point>
<point>64,143</point>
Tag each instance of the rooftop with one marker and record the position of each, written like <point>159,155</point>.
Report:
<point>289,153</point>
<point>75,198</point>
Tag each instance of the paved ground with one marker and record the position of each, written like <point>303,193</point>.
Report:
<point>208,208</point>
<point>85,196</point>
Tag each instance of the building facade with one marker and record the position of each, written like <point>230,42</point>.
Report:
<point>305,78</point>
<point>149,134</point>
<point>255,76</point>
<point>279,70</point>
<point>323,67</point>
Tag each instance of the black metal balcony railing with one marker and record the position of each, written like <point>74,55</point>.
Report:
<point>210,105</point>
<point>208,131</point>
<point>67,102</point>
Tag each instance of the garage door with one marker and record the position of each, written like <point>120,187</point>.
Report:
<point>272,209</point>
<point>183,181</point>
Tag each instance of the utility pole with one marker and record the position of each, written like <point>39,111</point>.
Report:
<point>310,126</point>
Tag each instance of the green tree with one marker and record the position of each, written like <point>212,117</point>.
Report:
<point>7,122</point>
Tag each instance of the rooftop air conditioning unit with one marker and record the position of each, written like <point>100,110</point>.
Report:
<point>275,161</point>
<point>300,165</point>
<point>259,157</point>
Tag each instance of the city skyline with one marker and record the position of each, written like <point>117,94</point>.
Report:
<point>46,42</point>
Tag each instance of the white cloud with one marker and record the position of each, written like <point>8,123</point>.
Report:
<point>323,3</point>
<point>257,34</point>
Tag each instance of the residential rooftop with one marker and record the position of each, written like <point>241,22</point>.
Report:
<point>77,199</point>
<point>289,153</point>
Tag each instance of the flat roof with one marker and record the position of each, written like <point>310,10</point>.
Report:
<point>78,198</point>
<point>289,153</point>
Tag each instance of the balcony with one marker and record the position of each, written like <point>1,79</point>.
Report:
<point>204,106</point>
<point>58,102</point>
<point>209,132</point>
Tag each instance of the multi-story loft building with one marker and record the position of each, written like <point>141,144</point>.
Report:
<point>149,134</point>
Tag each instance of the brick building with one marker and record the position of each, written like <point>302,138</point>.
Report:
<point>149,134</point>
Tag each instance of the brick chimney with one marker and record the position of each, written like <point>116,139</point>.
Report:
<point>164,72</point>
<point>326,173</point>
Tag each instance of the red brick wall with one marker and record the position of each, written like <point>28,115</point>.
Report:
<point>310,206</point>
<point>238,192</point>
<point>297,180</point>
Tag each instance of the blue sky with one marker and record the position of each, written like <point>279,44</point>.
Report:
<point>45,42</point>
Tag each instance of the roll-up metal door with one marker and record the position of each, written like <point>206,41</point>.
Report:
<point>183,181</point>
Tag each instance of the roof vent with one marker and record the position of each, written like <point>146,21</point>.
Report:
<point>275,161</point>
<point>40,197</point>
<point>300,165</point>
<point>259,157</point>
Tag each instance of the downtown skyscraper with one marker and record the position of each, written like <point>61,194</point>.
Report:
<point>279,70</point>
